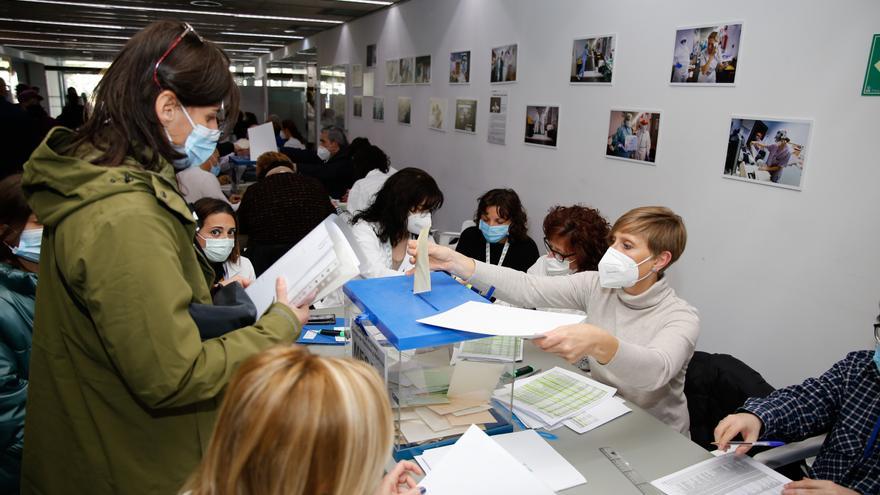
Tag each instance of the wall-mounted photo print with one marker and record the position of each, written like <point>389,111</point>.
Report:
<point>460,67</point>
<point>357,75</point>
<point>371,55</point>
<point>503,64</point>
<point>633,135</point>
<point>378,109</point>
<point>542,125</point>
<point>357,106</point>
<point>406,70</point>
<point>592,60</point>
<point>392,72</point>
<point>404,110</point>
<point>706,55</point>
<point>767,151</point>
<point>423,70</point>
<point>436,113</point>
<point>466,115</point>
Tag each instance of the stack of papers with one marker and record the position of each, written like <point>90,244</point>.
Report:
<point>499,348</point>
<point>529,449</point>
<point>477,465</point>
<point>560,397</point>
<point>729,473</point>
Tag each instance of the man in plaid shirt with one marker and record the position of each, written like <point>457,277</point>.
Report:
<point>844,402</point>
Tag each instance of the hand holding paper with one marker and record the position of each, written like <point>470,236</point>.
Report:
<point>495,319</point>
<point>573,342</point>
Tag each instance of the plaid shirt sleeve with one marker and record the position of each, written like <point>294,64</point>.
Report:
<point>802,411</point>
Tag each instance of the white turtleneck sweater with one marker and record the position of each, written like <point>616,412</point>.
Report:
<point>657,331</point>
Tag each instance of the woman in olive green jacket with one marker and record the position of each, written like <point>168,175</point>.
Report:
<point>123,391</point>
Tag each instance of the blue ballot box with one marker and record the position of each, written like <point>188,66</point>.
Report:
<point>439,381</point>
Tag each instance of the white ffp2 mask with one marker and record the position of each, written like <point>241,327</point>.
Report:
<point>415,222</point>
<point>555,267</point>
<point>619,271</point>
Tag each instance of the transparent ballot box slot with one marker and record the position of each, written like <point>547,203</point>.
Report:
<point>439,381</point>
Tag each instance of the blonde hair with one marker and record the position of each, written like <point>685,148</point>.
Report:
<point>661,227</point>
<point>293,423</point>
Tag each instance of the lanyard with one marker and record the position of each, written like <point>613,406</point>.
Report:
<point>869,449</point>
<point>503,252</point>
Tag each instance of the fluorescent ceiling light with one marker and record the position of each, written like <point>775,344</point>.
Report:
<point>184,11</point>
<point>31,40</point>
<point>79,49</point>
<point>73,35</point>
<point>372,2</point>
<point>73,24</point>
<point>258,35</point>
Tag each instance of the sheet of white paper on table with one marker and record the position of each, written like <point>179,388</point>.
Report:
<point>422,276</point>
<point>474,379</point>
<point>531,450</point>
<point>729,474</point>
<point>597,416</point>
<point>321,262</point>
<point>495,319</point>
<point>418,431</point>
<point>477,465</point>
<point>262,139</point>
<point>310,335</point>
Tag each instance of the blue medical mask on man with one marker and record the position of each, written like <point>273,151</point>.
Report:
<point>199,146</point>
<point>29,245</point>
<point>493,233</point>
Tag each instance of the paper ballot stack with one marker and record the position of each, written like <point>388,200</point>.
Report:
<point>320,263</point>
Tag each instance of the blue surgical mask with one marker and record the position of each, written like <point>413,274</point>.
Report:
<point>215,170</point>
<point>493,233</point>
<point>29,245</point>
<point>877,356</point>
<point>199,145</point>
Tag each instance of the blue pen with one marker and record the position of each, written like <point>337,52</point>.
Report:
<point>762,443</point>
<point>490,292</point>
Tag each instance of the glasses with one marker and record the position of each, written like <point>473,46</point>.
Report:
<point>877,333</point>
<point>186,30</point>
<point>557,254</point>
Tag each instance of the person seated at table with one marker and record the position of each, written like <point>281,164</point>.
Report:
<point>576,238</point>
<point>296,423</point>
<point>639,335</point>
<point>371,169</point>
<point>291,136</point>
<point>279,210</point>
<point>217,238</point>
<point>501,236</point>
<point>200,182</point>
<point>334,169</point>
<point>844,403</point>
<point>402,207</point>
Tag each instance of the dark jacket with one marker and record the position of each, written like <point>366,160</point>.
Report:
<point>123,392</point>
<point>17,292</point>
<point>521,254</point>
<point>337,174</point>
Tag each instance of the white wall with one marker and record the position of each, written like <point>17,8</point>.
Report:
<point>787,281</point>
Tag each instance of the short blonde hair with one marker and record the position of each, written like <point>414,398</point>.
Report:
<point>293,423</point>
<point>660,226</point>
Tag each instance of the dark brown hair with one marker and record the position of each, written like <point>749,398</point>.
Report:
<point>124,122</point>
<point>206,207</point>
<point>290,126</point>
<point>409,189</point>
<point>509,208</point>
<point>586,230</point>
<point>14,213</point>
<point>271,160</point>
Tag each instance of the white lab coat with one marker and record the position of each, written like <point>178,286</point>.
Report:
<point>644,144</point>
<point>682,57</point>
<point>361,195</point>
<point>714,61</point>
<point>377,253</point>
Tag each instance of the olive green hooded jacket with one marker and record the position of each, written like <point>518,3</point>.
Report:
<point>123,392</point>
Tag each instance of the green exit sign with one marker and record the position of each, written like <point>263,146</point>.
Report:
<point>871,87</point>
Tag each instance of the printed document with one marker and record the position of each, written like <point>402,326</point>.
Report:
<point>727,474</point>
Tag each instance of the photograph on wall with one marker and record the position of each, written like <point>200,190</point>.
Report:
<point>406,70</point>
<point>404,110</point>
<point>706,55</point>
<point>357,106</point>
<point>767,151</point>
<point>392,72</point>
<point>436,113</point>
<point>423,70</point>
<point>498,117</point>
<point>871,86</point>
<point>378,109</point>
<point>592,60</point>
<point>503,64</point>
<point>466,115</point>
<point>357,75</point>
<point>542,125</point>
<point>369,79</point>
<point>460,67</point>
<point>632,135</point>
<point>371,55</point>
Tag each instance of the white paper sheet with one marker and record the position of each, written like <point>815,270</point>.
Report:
<point>422,276</point>
<point>262,139</point>
<point>477,465</point>
<point>418,431</point>
<point>727,474</point>
<point>532,451</point>
<point>321,262</point>
<point>495,319</point>
<point>474,379</point>
<point>597,416</point>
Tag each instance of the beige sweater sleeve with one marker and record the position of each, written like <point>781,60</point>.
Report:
<point>531,291</point>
